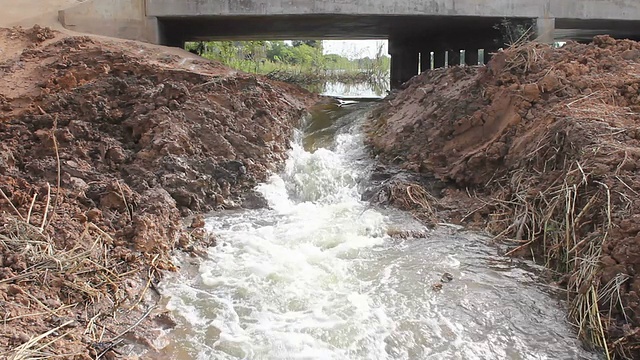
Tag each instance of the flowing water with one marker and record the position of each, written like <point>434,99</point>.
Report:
<point>317,276</point>
<point>374,88</point>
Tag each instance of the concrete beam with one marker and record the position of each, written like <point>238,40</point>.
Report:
<point>583,9</point>
<point>125,19</point>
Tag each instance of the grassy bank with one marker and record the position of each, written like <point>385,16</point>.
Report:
<point>298,62</point>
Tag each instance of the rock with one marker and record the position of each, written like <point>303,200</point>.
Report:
<point>116,154</point>
<point>53,303</point>
<point>631,54</point>
<point>220,201</point>
<point>82,218</point>
<point>7,161</point>
<point>531,92</point>
<point>254,200</point>
<point>166,321</point>
<point>198,222</point>
<point>77,184</point>
<point>549,83</point>
<point>94,215</point>
<point>22,337</point>
<point>182,197</point>
<point>13,290</point>
<point>42,135</point>
<point>113,200</point>
<point>446,277</point>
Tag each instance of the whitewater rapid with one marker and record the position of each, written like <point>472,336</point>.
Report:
<point>317,277</point>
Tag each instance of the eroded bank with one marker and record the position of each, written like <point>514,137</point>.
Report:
<point>106,146</point>
<point>540,148</point>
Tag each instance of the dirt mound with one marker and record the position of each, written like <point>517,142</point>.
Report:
<point>104,148</point>
<point>542,146</point>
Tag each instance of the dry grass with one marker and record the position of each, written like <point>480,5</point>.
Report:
<point>87,274</point>
<point>87,280</point>
<point>557,209</point>
<point>553,223</point>
<point>413,197</point>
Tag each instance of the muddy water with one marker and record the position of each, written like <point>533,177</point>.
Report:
<point>375,88</point>
<point>317,276</point>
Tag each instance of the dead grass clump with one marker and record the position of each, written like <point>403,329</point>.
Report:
<point>571,183</point>
<point>565,226</point>
<point>560,208</point>
<point>86,277</point>
<point>414,198</point>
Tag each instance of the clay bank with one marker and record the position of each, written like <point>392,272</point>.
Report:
<point>105,147</point>
<point>539,148</point>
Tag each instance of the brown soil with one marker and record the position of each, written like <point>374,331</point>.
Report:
<point>105,147</point>
<point>540,147</point>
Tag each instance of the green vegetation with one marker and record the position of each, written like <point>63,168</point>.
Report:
<point>301,62</point>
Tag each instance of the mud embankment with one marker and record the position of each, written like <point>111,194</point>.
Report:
<point>105,146</point>
<point>539,147</point>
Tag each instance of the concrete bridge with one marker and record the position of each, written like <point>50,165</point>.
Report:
<point>415,28</point>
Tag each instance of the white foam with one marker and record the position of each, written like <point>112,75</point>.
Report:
<point>316,277</point>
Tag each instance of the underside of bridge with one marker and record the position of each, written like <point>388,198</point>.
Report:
<point>284,27</point>
<point>411,38</point>
<point>415,41</point>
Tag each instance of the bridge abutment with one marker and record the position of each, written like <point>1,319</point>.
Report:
<point>425,60</point>
<point>125,19</point>
<point>545,30</point>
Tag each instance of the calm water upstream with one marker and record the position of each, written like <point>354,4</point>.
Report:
<point>317,276</point>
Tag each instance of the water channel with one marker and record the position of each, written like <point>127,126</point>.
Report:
<point>317,277</point>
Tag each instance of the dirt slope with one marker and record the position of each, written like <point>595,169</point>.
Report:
<point>541,147</point>
<point>105,146</point>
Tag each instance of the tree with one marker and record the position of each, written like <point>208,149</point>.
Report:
<point>278,51</point>
<point>312,43</point>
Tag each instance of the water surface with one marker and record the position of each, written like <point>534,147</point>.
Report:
<point>317,276</point>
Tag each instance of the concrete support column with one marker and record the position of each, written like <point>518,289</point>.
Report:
<point>404,66</point>
<point>471,57</point>
<point>167,37</point>
<point>545,30</point>
<point>125,19</point>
